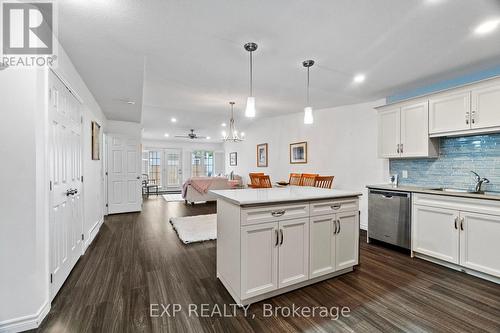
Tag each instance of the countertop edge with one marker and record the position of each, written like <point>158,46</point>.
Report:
<point>277,202</point>
<point>417,189</point>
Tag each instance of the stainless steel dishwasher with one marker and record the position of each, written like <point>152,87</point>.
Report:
<point>389,217</point>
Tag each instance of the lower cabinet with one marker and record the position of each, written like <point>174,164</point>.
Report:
<point>259,259</point>
<point>479,242</point>
<point>274,255</point>
<point>465,238</point>
<point>435,232</point>
<point>334,242</point>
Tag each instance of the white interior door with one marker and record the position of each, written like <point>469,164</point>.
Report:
<point>172,169</point>
<point>124,174</point>
<point>65,168</point>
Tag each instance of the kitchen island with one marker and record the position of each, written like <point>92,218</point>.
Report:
<point>271,241</point>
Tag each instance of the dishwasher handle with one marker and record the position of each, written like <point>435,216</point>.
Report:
<point>390,194</point>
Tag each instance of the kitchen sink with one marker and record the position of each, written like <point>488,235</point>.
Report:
<point>455,190</point>
<point>458,190</point>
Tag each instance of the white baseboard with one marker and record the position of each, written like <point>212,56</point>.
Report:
<point>363,227</point>
<point>25,323</point>
<point>92,233</point>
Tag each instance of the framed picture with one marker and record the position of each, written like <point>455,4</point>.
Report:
<point>233,159</point>
<point>96,134</point>
<point>262,155</point>
<point>298,152</point>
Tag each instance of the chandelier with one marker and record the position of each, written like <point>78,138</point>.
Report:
<point>233,135</point>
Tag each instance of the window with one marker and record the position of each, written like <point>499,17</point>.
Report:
<point>154,167</point>
<point>202,163</point>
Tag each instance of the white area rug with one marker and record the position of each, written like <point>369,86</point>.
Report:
<point>198,228</point>
<point>173,197</point>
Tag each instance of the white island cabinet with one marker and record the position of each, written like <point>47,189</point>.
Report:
<point>270,241</point>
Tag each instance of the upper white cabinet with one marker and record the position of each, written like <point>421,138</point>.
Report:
<point>471,110</point>
<point>389,132</point>
<point>404,131</point>
<point>404,128</point>
<point>485,111</point>
<point>449,112</point>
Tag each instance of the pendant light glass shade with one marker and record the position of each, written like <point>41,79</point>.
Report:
<point>250,110</point>
<point>232,136</point>
<point>308,111</point>
<point>308,115</point>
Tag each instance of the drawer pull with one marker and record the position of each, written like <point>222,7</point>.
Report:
<point>278,213</point>
<point>335,206</point>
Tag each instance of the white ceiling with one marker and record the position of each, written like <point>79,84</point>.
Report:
<point>185,59</point>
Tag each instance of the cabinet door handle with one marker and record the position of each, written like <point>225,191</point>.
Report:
<point>335,207</point>
<point>456,221</point>
<point>281,233</point>
<point>473,117</point>
<point>467,117</point>
<point>335,224</point>
<point>338,221</point>
<point>402,145</point>
<point>277,237</point>
<point>397,148</point>
<point>462,224</point>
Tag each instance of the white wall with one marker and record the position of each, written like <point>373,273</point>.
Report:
<point>187,148</point>
<point>342,142</point>
<point>124,127</point>
<point>24,281</point>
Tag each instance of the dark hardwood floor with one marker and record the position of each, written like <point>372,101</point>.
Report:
<point>137,260</point>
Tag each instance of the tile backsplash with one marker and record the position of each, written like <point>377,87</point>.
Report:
<point>457,157</point>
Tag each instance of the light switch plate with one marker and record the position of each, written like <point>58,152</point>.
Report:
<point>405,173</point>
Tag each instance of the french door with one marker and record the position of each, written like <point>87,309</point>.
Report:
<point>172,175</point>
<point>65,168</point>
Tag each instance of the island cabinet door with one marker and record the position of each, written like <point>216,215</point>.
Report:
<point>479,242</point>
<point>293,254</point>
<point>322,245</point>
<point>347,240</point>
<point>259,259</point>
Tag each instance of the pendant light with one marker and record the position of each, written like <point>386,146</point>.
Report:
<point>250,109</point>
<point>232,136</point>
<point>308,111</point>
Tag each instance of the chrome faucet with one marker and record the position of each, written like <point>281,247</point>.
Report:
<point>479,182</point>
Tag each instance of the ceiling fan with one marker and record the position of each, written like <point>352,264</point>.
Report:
<point>191,135</point>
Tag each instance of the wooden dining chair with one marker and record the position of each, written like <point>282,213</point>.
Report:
<point>323,181</point>
<point>295,179</point>
<point>308,179</point>
<point>254,181</point>
<point>264,181</point>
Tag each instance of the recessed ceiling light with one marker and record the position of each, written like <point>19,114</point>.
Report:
<point>167,135</point>
<point>223,124</point>
<point>208,138</point>
<point>173,120</point>
<point>131,102</point>
<point>360,78</point>
<point>487,27</point>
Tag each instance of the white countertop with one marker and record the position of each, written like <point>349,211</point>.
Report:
<point>254,196</point>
